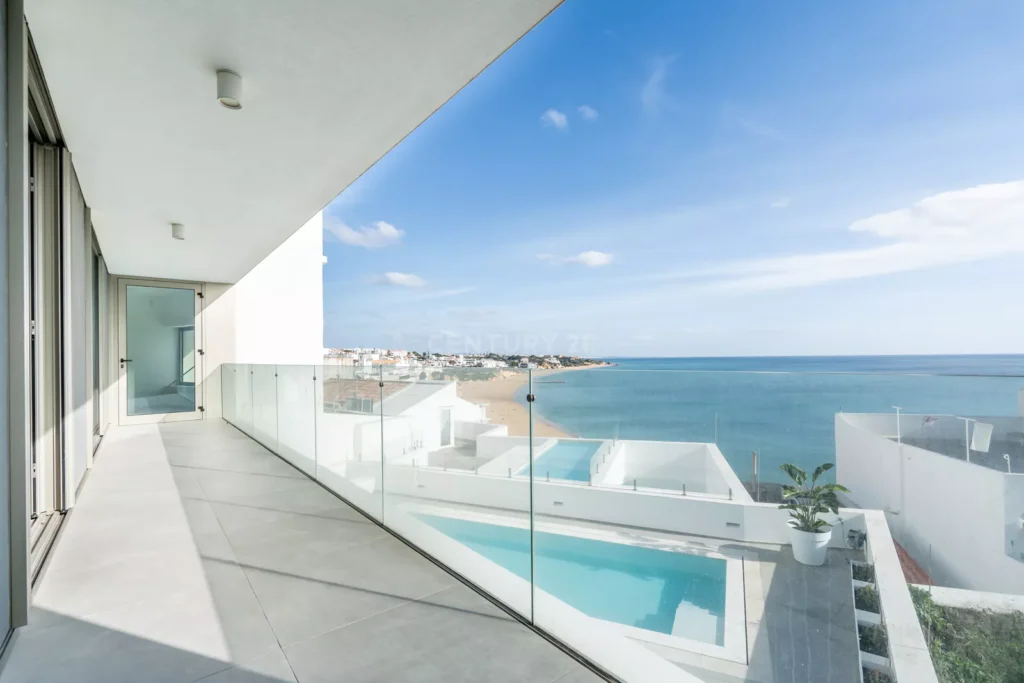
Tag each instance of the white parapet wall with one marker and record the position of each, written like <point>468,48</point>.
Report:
<point>469,431</point>
<point>999,603</point>
<point>691,514</point>
<point>669,466</point>
<point>909,657</point>
<point>960,521</point>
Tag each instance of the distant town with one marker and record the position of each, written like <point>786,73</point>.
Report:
<point>364,357</point>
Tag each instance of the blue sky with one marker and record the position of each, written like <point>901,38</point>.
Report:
<point>705,178</point>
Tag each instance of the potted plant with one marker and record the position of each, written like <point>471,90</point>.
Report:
<point>808,533</point>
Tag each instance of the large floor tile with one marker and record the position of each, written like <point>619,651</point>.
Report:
<point>270,668</point>
<point>74,650</point>
<point>386,566</point>
<point>225,485</point>
<point>299,608</point>
<point>295,530</point>
<point>198,555</point>
<point>135,578</point>
<point>234,517</point>
<point>222,621</point>
<point>426,643</point>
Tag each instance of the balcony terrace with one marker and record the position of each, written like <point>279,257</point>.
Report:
<point>195,554</point>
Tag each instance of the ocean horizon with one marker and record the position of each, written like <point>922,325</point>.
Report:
<point>781,407</point>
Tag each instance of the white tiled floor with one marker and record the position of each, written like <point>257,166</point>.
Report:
<point>195,554</point>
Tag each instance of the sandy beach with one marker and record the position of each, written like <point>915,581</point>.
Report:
<point>502,407</point>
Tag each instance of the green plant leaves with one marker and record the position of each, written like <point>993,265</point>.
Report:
<point>805,502</point>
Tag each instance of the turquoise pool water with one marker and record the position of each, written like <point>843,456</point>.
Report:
<point>635,586</point>
<point>567,459</point>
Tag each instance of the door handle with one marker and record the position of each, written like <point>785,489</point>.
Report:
<point>125,360</point>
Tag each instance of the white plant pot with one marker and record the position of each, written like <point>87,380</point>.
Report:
<point>809,548</point>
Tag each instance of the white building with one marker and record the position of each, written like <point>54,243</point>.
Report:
<point>963,522</point>
<point>166,164</point>
<point>161,220</point>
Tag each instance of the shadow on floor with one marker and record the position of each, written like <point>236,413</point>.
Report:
<point>195,554</point>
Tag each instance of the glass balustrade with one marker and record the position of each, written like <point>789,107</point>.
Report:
<point>634,515</point>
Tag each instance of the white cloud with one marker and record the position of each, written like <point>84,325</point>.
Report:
<point>375,236</point>
<point>587,112</point>
<point>653,96</point>
<point>553,117</point>
<point>781,203</point>
<point>591,259</point>
<point>400,280</point>
<point>961,226</point>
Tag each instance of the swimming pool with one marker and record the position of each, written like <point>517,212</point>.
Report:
<point>674,593</point>
<point>566,459</point>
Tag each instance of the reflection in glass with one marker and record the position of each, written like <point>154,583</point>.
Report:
<point>160,350</point>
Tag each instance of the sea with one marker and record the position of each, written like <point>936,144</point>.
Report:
<point>782,408</point>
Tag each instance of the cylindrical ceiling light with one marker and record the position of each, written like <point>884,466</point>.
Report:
<point>177,231</point>
<point>229,89</point>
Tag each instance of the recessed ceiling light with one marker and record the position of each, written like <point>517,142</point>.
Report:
<point>177,231</point>
<point>229,89</point>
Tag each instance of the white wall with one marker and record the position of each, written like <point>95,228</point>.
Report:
<point>469,431</point>
<point>724,519</point>
<point>663,465</point>
<point>956,519</point>
<point>672,466</point>
<point>909,656</point>
<point>273,315</point>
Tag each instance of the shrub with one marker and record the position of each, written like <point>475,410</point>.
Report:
<point>874,676</point>
<point>865,598</point>
<point>971,645</point>
<point>872,640</point>
<point>864,572</point>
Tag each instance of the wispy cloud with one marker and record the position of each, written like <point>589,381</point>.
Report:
<point>553,117</point>
<point>444,293</point>
<point>781,203</point>
<point>753,125</point>
<point>587,112</point>
<point>590,259</point>
<point>399,280</point>
<point>961,226</point>
<point>653,96</point>
<point>375,236</point>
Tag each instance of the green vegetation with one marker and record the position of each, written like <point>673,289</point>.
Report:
<point>971,645</point>
<point>806,500</point>
<point>872,676</point>
<point>865,598</point>
<point>872,640</point>
<point>864,572</point>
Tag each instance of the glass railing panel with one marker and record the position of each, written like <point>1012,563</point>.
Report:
<point>264,405</point>
<point>651,540</point>
<point>296,416</point>
<point>243,398</point>
<point>611,579</point>
<point>228,392</point>
<point>653,554</point>
<point>348,428</point>
<point>454,481</point>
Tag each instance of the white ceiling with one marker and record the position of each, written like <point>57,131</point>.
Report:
<point>329,87</point>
